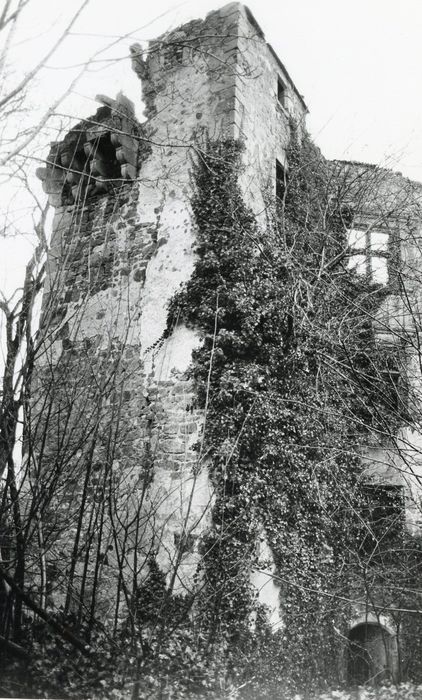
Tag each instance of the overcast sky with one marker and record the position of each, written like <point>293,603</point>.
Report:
<point>357,64</point>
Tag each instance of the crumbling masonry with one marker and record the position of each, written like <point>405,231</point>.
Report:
<point>114,379</point>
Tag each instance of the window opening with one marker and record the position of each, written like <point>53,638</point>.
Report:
<point>368,254</point>
<point>280,181</point>
<point>281,93</point>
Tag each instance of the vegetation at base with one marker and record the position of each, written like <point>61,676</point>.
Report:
<point>405,691</point>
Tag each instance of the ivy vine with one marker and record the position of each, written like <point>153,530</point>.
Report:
<point>290,372</point>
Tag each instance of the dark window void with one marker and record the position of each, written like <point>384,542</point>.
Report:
<point>383,518</point>
<point>371,655</point>
<point>280,181</point>
<point>281,92</point>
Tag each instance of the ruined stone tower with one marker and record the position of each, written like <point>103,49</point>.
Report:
<point>122,244</point>
<point>123,441</point>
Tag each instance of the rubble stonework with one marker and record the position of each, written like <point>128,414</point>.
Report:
<point>123,243</point>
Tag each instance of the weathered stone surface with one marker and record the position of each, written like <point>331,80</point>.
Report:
<point>119,253</point>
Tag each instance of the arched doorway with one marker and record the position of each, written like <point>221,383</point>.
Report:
<point>371,655</point>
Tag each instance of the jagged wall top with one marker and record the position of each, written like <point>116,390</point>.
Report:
<point>95,155</point>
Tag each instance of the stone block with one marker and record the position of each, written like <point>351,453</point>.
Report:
<point>173,447</point>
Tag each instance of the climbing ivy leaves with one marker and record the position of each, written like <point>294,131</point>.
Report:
<point>283,372</point>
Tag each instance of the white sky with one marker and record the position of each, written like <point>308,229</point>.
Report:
<point>357,65</point>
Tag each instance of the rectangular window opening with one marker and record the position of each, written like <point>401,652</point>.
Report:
<point>280,181</point>
<point>281,93</point>
<point>368,254</point>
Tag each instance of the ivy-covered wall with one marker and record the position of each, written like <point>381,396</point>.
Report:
<point>292,394</point>
<point>210,379</point>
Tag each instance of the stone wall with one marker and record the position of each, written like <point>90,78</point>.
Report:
<point>114,378</point>
<point>114,417</point>
<point>386,202</point>
<point>264,123</point>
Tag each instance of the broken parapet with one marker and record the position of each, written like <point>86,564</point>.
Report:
<point>95,156</point>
